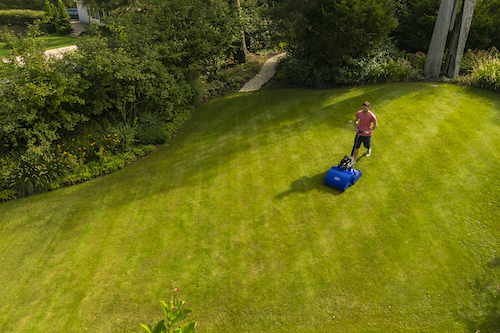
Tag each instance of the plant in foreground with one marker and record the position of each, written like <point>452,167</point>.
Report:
<point>174,315</point>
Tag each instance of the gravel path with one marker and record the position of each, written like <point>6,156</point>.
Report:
<point>266,73</point>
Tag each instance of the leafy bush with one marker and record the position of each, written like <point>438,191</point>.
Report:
<point>34,174</point>
<point>56,18</point>
<point>304,72</point>
<point>20,16</point>
<point>416,60</point>
<point>392,70</point>
<point>358,71</point>
<point>487,73</point>
<point>150,129</point>
<point>472,58</point>
<point>6,195</point>
<point>106,163</point>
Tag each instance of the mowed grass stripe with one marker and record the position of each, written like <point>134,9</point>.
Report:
<point>234,210</point>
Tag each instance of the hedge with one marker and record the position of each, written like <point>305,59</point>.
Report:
<point>20,16</point>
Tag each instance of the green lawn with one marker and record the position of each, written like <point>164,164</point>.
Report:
<point>234,210</point>
<point>53,42</point>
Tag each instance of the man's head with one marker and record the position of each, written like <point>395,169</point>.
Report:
<point>366,106</point>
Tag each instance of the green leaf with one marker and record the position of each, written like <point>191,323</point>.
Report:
<point>166,309</point>
<point>188,328</point>
<point>179,316</point>
<point>147,328</point>
<point>160,327</point>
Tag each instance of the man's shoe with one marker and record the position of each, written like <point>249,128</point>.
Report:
<point>369,152</point>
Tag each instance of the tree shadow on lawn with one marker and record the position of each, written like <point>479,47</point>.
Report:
<point>306,184</point>
<point>486,289</point>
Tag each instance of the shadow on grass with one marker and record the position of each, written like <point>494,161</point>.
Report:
<point>306,184</point>
<point>486,290</point>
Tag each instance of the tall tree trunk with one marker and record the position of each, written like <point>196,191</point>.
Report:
<point>439,37</point>
<point>241,55</point>
<point>458,39</point>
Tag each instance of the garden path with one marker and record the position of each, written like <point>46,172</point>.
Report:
<point>266,73</point>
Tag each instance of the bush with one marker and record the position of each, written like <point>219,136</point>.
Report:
<point>150,129</point>
<point>392,70</point>
<point>358,71</point>
<point>487,73</point>
<point>6,195</point>
<point>20,16</point>
<point>472,58</point>
<point>56,18</point>
<point>107,163</point>
<point>34,174</point>
<point>304,72</point>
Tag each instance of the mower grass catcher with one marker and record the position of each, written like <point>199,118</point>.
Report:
<point>343,175</point>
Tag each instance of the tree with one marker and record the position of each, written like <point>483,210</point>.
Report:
<point>328,31</point>
<point>485,30</point>
<point>150,59</point>
<point>446,19</point>
<point>242,52</point>
<point>39,98</point>
<point>416,21</point>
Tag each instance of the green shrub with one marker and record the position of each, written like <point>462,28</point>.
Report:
<point>150,129</point>
<point>107,163</point>
<point>416,60</point>
<point>34,174</point>
<point>304,72</point>
<point>20,16</point>
<point>487,74</point>
<point>392,70</point>
<point>472,58</point>
<point>6,195</point>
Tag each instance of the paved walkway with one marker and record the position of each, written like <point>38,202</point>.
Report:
<point>266,73</point>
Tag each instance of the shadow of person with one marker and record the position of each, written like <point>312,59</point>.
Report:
<point>306,184</point>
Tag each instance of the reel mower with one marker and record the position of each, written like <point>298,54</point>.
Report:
<point>343,175</point>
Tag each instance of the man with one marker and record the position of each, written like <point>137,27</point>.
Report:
<point>364,125</point>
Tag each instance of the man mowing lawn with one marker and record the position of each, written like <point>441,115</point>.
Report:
<point>365,123</point>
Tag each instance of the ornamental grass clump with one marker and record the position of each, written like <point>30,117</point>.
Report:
<point>487,73</point>
<point>36,174</point>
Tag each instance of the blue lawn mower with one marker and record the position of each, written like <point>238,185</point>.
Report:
<point>343,175</point>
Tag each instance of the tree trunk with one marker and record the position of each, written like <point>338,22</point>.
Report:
<point>438,41</point>
<point>241,55</point>
<point>458,39</point>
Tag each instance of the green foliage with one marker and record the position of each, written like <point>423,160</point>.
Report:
<point>33,173</point>
<point>417,18</point>
<point>6,195</point>
<point>150,129</point>
<point>56,19</point>
<point>327,31</point>
<point>22,4</point>
<point>20,16</point>
<point>416,23</point>
<point>42,95</point>
<point>485,30</point>
<point>62,19</point>
<point>472,58</point>
<point>487,73</point>
<point>393,70</point>
<point>106,162</point>
<point>174,315</point>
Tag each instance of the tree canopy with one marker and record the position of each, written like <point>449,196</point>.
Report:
<point>328,30</point>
